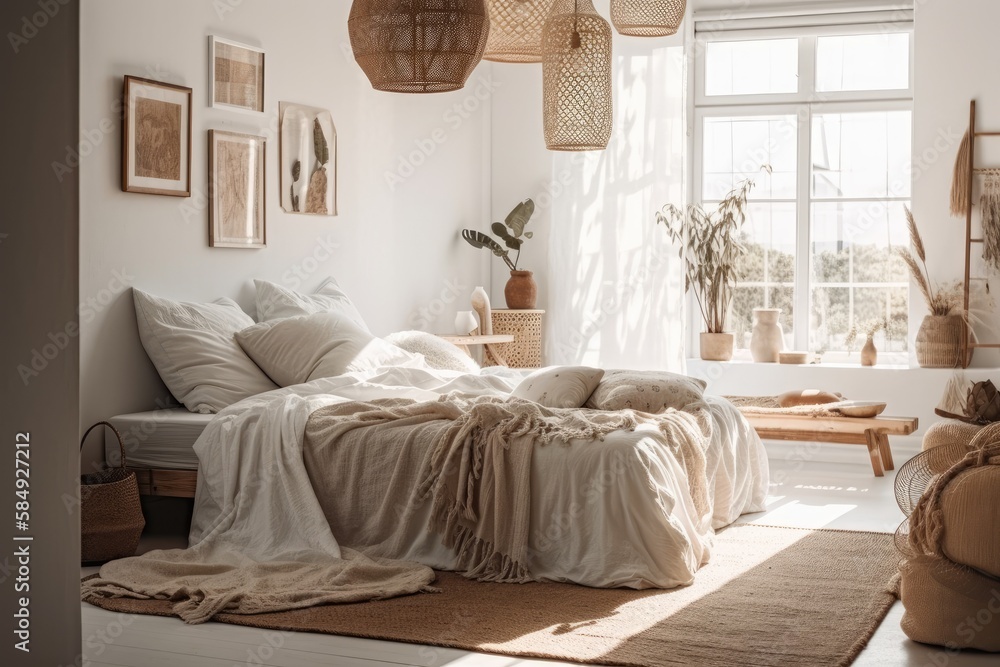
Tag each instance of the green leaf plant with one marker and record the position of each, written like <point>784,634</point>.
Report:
<point>511,232</point>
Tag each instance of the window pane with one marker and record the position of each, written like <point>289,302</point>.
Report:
<point>735,148</point>
<point>757,67</point>
<point>861,154</point>
<point>745,299</point>
<point>863,62</point>
<point>855,242</point>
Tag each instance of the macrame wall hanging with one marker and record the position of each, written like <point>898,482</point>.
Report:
<point>989,208</point>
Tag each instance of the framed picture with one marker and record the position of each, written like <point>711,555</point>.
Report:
<point>156,138</point>
<point>235,75</point>
<point>308,164</point>
<point>236,201</point>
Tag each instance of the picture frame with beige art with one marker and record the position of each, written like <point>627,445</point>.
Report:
<point>237,216</point>
<point>235,75</point>
<point>156,137</point>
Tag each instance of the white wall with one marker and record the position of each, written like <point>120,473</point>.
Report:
<point>396,250</point>
<point>955,55</point>
<point>598,257</point>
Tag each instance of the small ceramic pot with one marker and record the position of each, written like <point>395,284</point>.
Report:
<point>521,291</point>
<point>717,346</point>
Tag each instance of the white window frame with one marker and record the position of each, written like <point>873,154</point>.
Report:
<point>803,104</point>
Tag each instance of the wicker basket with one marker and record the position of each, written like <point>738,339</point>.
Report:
<point>939,341</point>
<point>110,515</point>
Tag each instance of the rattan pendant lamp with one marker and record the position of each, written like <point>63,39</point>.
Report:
<point>647,18</point>
<point>576,69</point>
<point>516,30</point>
<point>418,46</point>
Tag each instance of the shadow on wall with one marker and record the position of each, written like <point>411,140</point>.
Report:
<point>616,284</point>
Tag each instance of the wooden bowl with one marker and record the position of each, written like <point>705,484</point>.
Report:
<point>793,357</point>
<point>861,409</point>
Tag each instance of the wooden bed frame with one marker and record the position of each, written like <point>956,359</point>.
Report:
<point>873,433</point>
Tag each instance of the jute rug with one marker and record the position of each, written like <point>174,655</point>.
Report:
<point>770,596</point>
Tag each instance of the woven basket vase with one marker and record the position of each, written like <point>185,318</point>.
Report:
<point>110,515</point>
<point>939,341</point>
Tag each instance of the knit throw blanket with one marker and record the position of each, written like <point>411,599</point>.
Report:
<point>477,470</point>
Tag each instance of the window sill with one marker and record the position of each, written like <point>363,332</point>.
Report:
<point>698,362</point>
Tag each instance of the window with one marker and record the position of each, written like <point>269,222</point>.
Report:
<point>831,114</point>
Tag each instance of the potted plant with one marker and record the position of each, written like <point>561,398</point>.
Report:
<point>521,291</point>
<point>941,337</point>
<point>712,250</point>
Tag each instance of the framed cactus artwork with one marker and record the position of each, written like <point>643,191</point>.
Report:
<point>308,164</point>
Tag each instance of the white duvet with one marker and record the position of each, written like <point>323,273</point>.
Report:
<point>615,515</point>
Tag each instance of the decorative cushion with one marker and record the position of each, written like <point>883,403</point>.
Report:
<point>275,302</point>
<point>195,353</point>
<point>294,350</point>
<point>560,386</point>
<point>439,354</point>
<point>645,391</point>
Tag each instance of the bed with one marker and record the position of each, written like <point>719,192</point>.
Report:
<point>354,467</point>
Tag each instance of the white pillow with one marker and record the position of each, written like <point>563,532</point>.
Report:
<point>275,302</point>
<point>560,386</point>
<point>193,349</point>
<point>439,354</point>
<point>294,350</point>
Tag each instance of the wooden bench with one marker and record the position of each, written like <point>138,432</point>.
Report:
<point>873,433</point>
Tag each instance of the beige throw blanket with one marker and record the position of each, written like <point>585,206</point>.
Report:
<point>472,460</point>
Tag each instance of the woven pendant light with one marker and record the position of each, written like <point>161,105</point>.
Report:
<point>647,18</point>
<point>418,46</point>
<point>516,30</point>
<point>576,69</point>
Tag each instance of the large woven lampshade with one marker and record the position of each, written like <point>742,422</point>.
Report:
<point>516,30</point>
<point>647,18</point>
<point>576,68</point>
<point>418,46</point>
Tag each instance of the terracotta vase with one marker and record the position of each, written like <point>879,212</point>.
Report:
<point>717,346</point>
<point>768,340</point>
<point>869,355</point>
<point>521,291</point>
<point>939,341</point>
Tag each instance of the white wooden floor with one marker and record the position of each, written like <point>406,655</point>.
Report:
<point>814,487</point>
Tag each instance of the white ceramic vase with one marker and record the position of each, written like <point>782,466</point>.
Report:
<point>481,304</point>
<point>768,339</point>
<point>465,322</point>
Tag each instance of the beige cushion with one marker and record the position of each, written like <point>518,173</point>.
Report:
<point>193,349</point>
<point>970,507</point>
<point>560,386</point>
<point>645,391</point>
<point>301,349</point>
<point>940,601</point>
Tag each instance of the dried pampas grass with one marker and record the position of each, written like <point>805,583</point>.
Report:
<point>941,302</point>
<point>961,178</point>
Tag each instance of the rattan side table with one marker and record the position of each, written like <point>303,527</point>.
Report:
<point>526,350</point>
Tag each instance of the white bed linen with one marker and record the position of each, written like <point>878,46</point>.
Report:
<point>157,438</point>
<point>637,527</point>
